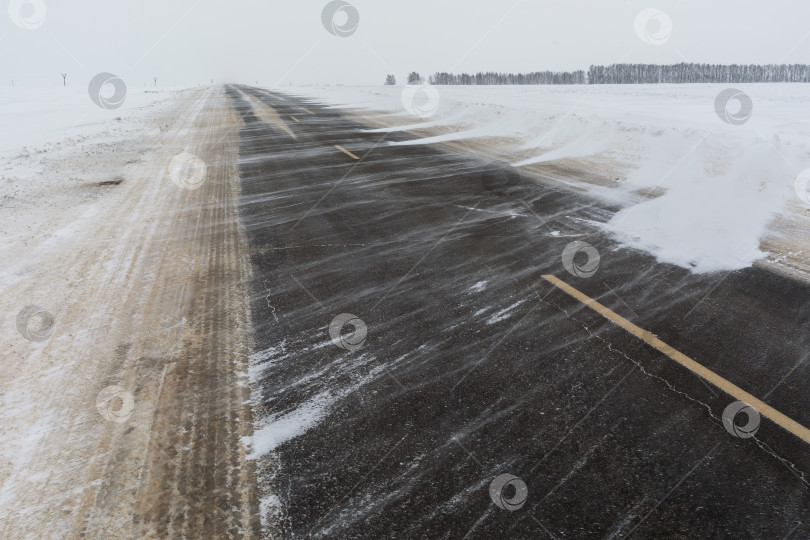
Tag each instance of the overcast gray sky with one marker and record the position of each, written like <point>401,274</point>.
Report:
<point>277,42</point>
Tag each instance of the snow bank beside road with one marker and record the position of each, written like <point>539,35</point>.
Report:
<point>718,186</point>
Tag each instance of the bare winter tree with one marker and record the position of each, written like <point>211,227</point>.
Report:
<point>64,79</point>
<point>414,78</point>
<point>155,79</point>
<point>390,80</point>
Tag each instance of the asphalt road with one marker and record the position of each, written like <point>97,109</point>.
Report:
<point>475,366</point>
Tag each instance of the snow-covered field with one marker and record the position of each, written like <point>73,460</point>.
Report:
<point>35,116</point>
<point>56,142</point>
<point>695,190</point>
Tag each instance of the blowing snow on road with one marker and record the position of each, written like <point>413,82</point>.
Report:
<point>487,302</point>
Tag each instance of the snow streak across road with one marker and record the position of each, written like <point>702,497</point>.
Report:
<point>445,348</point>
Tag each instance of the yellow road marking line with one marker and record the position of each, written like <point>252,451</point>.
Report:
<point>764,409</point>
<point>294,118</point>
<point>346,151</point>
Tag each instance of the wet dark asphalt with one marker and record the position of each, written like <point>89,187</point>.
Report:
<point>475,366</point>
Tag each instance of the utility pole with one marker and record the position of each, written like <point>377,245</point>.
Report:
<point>64,79</point>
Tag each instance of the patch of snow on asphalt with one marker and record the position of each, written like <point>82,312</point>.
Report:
<point>478,287</point>
<point>277,430</point>
<point>504,313</point>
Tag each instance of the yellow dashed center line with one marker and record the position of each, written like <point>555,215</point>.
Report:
<point>296,119</point>
<point>346,151</point>
<point>764,409</point>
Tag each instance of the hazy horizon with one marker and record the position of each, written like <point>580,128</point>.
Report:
<point>191,42</point>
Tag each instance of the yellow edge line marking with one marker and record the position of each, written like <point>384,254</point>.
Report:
<point>765,410</point>
<point>346,151</point>
<point>296,119</point>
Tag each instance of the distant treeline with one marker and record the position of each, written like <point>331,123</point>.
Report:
<point>697,73</point>
<point>539,77</point>
<point>637,74</point>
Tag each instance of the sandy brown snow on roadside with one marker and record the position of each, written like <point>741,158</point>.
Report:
<point>106,429</point>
